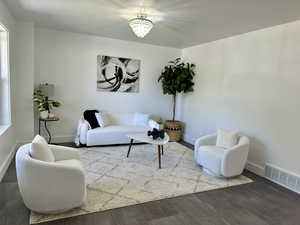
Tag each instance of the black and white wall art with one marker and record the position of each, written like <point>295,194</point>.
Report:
<point>117,74</point>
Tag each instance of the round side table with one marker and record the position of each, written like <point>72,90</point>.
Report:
<point>53,119</point>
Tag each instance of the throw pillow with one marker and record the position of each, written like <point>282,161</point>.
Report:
<point>226,138</point>
<point>102,119</point>
<point>40,150</point>
<point>89,115</point>
<point>141,119</point>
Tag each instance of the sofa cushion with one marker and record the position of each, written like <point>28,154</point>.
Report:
<point>211,157</point>
<point>40,150</point>
<point>113,134</point>
<point>141,119</point>
<point>89,115</point>
<point>103,119</point>
<point>227,138</point>
<point>119,129</point>
<point>121,118</point>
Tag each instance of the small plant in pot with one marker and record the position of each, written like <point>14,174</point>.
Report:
<point>160,124</point>
<point>176,77</point>
<point>44,104</point>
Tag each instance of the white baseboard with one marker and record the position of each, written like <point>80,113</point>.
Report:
<point>61,139</point>
<point>255,168</point>
<point>7,162</point>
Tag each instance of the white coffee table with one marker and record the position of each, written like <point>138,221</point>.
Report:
<point>148,139</point>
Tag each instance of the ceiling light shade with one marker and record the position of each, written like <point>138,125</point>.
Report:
<point>141,26</point>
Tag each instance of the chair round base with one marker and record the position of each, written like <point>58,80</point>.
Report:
<point>212,173</point>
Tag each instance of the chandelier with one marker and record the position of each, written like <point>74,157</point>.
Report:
<point>140,25</point>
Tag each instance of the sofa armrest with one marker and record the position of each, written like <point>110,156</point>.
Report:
<point>235,159</point>
<point>153,124</point>
<point>82,131</point>
<point>64,153</point>
<point>204,140</point>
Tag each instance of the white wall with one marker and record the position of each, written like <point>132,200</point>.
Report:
<point>69,61</point>
<point>25,81</point>
<point>7,139</point>
<point>251,83</point>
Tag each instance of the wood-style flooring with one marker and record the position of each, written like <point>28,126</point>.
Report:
<point>259,203</point>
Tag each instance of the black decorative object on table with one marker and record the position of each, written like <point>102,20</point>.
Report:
<point>155,133</point>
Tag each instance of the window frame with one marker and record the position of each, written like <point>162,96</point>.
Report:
<point>5,81</point>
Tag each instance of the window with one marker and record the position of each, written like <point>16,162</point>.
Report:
<point>5,106</point>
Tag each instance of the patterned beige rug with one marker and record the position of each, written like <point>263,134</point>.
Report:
<point>115,181</point>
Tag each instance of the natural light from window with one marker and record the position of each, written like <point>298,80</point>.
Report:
<point>5,106</point>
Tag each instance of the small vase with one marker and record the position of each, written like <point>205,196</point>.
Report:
<point>51,115</point>
<point>44,114</point>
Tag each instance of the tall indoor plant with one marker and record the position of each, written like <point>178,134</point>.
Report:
<point>176,77</point>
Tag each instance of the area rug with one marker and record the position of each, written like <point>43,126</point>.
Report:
<point>114,181</point>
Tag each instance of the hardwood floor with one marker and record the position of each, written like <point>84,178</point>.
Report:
<point>259,203</point>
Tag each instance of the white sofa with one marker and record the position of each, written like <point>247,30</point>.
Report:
<point>51,187</point>
<point>219,161</point>
<point>116,132</point>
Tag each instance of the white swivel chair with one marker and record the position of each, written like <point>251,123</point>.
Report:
<point>51,187</point>
<point>219,161</point>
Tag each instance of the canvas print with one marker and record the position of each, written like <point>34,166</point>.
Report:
<point>117,74</point>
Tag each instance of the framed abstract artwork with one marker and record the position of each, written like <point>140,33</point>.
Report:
<point>116,74</point>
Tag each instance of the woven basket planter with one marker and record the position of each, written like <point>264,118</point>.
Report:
<point>174,130</point>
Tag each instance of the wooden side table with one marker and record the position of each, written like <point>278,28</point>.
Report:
<point>45,125</point>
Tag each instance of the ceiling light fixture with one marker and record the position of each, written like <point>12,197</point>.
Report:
<point>140,25</point>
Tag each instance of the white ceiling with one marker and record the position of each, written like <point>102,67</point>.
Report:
<point>178,23</point>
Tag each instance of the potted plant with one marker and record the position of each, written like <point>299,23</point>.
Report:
<point>176,77</point>
<point>44,104</point>
<point>160,124</point>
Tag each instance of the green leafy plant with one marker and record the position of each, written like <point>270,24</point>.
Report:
<point>160,121</point>
<point>177,77</point>
<point>43,103</point>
